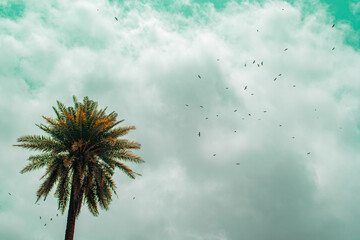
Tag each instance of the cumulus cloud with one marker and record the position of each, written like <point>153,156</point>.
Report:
<point>145,66</point>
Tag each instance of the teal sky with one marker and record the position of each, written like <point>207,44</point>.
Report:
<point>279,91</point>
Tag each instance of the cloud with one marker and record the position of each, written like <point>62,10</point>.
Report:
<point>145,66</point>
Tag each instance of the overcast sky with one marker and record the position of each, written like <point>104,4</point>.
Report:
<point>287,163</point>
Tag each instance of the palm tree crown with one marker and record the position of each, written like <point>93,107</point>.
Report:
<point>80,155</point>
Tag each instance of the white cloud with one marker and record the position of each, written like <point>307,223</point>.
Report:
<point>145,68</point>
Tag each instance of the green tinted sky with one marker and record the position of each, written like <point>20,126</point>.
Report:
<point>263,107</point>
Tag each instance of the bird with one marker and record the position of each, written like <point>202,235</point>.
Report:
<point>333,48</point>
<point>235,131</point>
<point>275,79</point>
<point>44,224</point>
<point>245,65</point>
<point>252,94</point>
<point>257,30</point>
<point>294,85</point>
<point>259,119</point>
<point>186,105</point>
<point>265,111</point>
<point>9,193</point>
<point>227,88</point>
<point>133,198</point>
<point>50,219</point>
<point>333,25</point>
<point>201,106</point>
<point>237,163</point>
<point>40,217</point>
<point>285,49</point>
<point>206,118</point>
<point>57,215</point>
<point>199,76</point>
<point>262,63</point>
<point>214,155</point>
<point>245,87</point>
<point>253,61</point>
<point>280,125</point>
<point>217,115</point>
<point>199,134</point>
<point>293,137</point>
<point>308,153</point>
<point>116,19</point>
<point>249,114</point>
<point>258,65</point>
<point>235,110</point>
<point>217,59</point>
<point>279,74</point>
<point>282,9</point>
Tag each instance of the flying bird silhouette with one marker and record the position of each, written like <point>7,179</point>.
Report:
<point>262,63</point>
<point>186,105</point>
<point>133,198</point>
<point>258,65</point>
<point>275,79</point>
<point>285,49</point>
<point>214,155</point>
<point>40,217</point>
<point>227,88</point>
<point>235,110</point>
<point>333,48</point>
<point>333,25</point>
<point>308,153</point>
<point>245,87</point>
<point>116,19</point>
<point>249,114</point>
<point>9,193</point>
<point>245,65</point>
<point>50,219</point>
<point>199,76</point>
<point>294,85</point>
<point>201,106</point>
<point>206,118</point>
<point>253,61</point>
<point>199,134</point>
<point>217,59</point>
<point>279,74</point>
<point>44,224</point>
<point>237,163</point>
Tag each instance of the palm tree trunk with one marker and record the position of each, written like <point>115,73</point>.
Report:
<point>70,226</point>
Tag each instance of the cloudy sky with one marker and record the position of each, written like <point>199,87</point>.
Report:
<point>287,161</point>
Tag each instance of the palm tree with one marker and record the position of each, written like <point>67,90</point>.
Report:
<point>80,156</point>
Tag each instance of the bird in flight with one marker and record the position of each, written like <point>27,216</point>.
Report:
<point>199,76</point>
<point>275,79</point>
<point>285,49</point>
<point>294,85</point>
<point>217,59</point>
<point>333,25</point>
<point>265,111</point>
<point>227,88</point>
<point>235,131</point>
<point>253,61</point>
<point>206,118</point>
<point>50,219</point>
<point>237,163</point>
<point>214,155</point>
<point>57,215</point>
<point>44,224</point>
<point>186,105</point>
<point>199,134</point>
<point>280,125</point>
<point>9,194</point>
<point>279,74</point>
<point>245,65</point>
<point>201,106</point>
<point>235,110</point>
<point>133,198</point>
<point>116,19</point>
<point>217,116</point>
<point>333,48</point>
<point>40,217</point>
<point>249,114</point>
<point>308,153</point>
<point>245,87</point>
<point>262,63</point>
<point>258,65</point>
